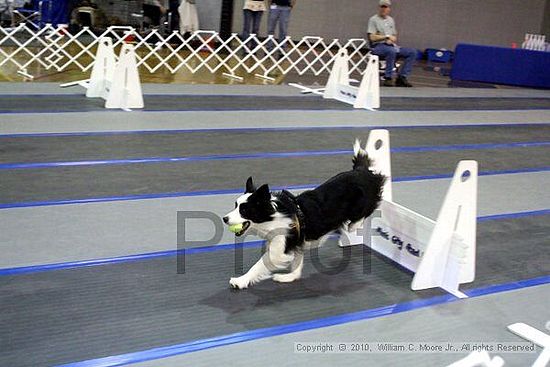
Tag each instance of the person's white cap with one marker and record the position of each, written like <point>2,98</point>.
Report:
<point>385,2</point>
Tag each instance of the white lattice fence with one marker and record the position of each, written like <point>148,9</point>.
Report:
<point>56,49</point>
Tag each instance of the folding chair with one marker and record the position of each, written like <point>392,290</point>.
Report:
<point>30,13</point>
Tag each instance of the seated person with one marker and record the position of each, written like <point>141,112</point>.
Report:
<point>158,4</point>
<point>155,3</point>
<point>383,38</point>
<point>5,13</point>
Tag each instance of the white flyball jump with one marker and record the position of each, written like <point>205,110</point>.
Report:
<point>366,96</point>
<point>441,253</point>
<point>534,336</point>
<point>479,359</point>
<point>338,87</point>
<point>116,82</point>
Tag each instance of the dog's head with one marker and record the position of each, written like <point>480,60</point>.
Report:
<point>252,208</point>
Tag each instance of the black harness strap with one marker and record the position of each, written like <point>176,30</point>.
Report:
<point>299,217</point>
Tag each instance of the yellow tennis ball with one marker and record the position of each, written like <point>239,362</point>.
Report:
<point>236,228</point>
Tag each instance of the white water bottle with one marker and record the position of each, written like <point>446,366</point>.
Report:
<point>539,42</point>
<point>524,44</point>
<point>542,42</point>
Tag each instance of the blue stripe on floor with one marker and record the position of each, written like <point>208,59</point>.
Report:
<point>204,249</point>
<point>245,336</point>
<point>289,93</point>
<point>267,129</point>
<point>81,96</point>
<point>239,190</point>
<point>267,155</point>
<point>124,259</point>
<point>517,215</point>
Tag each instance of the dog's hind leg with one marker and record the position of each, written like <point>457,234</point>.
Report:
<point>354,226</point>
<point>349,228</point>
<point>295,273</point>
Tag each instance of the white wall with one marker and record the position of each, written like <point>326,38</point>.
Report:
<point>421,23</point>
<point>546,21</point>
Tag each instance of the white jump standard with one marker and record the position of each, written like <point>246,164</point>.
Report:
<point>441,253</point>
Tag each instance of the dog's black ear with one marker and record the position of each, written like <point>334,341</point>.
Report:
<point>249,186</point>
<point>263,192</point>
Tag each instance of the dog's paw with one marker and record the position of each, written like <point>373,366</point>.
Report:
<point>284,278</point>
<point>239,283</point>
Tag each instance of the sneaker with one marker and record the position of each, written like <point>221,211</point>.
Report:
<point>387,83</point>
<point>402,82</point>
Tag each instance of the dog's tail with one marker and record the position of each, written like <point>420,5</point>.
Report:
<point>361,158</point>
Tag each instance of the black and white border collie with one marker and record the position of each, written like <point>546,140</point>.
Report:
<point>288,223</point>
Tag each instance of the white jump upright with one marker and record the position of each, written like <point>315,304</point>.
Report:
<point>441,253</point>
<point>366,96</point>
<point>339,75</point>
<point>103,71</point>
<point>116,82</point>
<point>125,90</point>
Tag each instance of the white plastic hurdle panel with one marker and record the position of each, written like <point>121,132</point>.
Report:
<point>116,82</point>
<point>441,253</point>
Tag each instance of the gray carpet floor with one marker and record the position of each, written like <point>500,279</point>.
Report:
<point>140,305</point>
<point>63,183</point>
<point>78,103</point>
<point>200,143</point>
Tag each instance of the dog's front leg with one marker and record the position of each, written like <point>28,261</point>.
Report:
<point>257,273</point>
<point>272,261</point>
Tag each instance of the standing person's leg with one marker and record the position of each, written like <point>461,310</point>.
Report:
<point>409,56</point>
<point>256,21</point>
<point>247,20</point>
<point>271,24</point>
<point>175,15</point>
<point>388,53</point>
<point>283,23</point>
